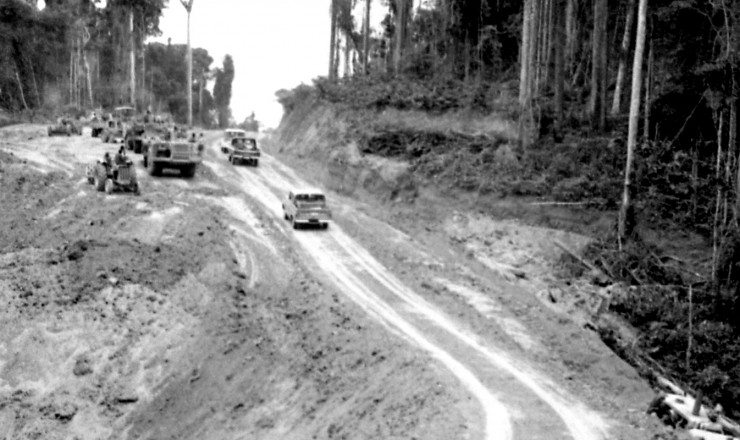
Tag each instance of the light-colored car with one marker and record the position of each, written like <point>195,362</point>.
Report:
<point>229,135</point>
<point>306,207</point>
<point>244,150</point>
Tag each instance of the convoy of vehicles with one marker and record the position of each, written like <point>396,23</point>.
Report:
<point>306,207</point>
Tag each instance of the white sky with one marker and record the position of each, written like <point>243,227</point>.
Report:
<point>275,44</point>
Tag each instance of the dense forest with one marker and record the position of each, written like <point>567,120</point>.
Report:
<point>76,55</point>
<point>602,90</point>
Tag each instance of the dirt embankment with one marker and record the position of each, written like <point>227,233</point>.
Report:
<point>514,264</point>
<point>158,317</point>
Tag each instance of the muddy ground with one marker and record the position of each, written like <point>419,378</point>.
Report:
<point>193,311</point>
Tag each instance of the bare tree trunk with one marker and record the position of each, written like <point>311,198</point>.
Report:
<point>190,75</point>
<point>20,89</point>
<point>648,94</point>
<point>597,105</point>
<point>527,55</point>
<point>625,213</point>
<point>132,59</point>
<point>87,70</point>
<point>571,31</point>
<point>333,40</point>
<point>731,140</point>
<point>200,100</point>
<point>559,36</point>
<point>366,37</point>
<point>400,34</point>
<point>623,55</point>
<point>718,201</point>
<point>347,67</point>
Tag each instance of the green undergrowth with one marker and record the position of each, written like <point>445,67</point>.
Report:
<point>454,146</point>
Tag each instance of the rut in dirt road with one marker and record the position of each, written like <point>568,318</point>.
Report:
<point>517,401</point>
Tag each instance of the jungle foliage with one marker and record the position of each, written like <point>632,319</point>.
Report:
<point>570,63</point>
<point>76,55</point>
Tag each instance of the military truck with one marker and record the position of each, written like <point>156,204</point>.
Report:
<point>176,150</point>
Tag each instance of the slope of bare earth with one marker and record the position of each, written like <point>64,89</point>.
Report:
<point>185,313</point>
<point>494,275</point>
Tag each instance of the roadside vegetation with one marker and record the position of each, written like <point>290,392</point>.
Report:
<point>543,88</point>
<point>74,56</point>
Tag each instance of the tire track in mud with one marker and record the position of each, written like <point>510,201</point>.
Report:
<point>542,409</point>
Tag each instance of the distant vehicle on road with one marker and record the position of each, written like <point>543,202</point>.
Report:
<point>124,113</point>
<point>229,135</point>
<point>64,127</point>
<point>113,132</point>
<point>306,207</point>
<point>244,150</point>
<point>175,150</point>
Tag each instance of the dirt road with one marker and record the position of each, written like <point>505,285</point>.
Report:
<point>212,318</point>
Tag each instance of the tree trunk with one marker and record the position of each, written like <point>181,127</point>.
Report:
<point>347,67</point>
<point>526,56</point>
<point>597,105</point>
<point>718,201</point>
<point>400,34</point>
<point>626,212</point>
<point>559,41</point>
<point>190,76</point>
<point>20,89</point>
<point>571,31</point>
<point>333,40</point>
<point>88,76</point>
<point>648,94</point>
<point>366,38</point>
<point>623,52</point>
<point>132,59</point>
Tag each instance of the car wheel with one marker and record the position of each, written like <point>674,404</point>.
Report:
<point>108,186</point>
<point>325,226</point>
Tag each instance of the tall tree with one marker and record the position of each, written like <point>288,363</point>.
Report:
<point>626,211</point>
<point>222,91</point>
<point>188,4</point>
<point>623,56</point>
<point>597,103</point>
<point>526,73</point>
<point>559,42</point>
<point>366,37</point>
<point>333,12</point>
<point>402,11</point>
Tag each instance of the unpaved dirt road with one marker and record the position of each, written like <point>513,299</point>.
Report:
<point>205,315</point>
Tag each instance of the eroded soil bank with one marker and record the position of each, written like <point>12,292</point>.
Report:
<point>166,317</point>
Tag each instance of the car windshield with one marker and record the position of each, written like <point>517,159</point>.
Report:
<point>235,134</point>
<point>310,199</point>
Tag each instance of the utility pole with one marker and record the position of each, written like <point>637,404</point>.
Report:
<point>132,59</point>
<point>188,4</point>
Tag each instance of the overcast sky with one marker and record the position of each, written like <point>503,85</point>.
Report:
<point>275,44</point>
